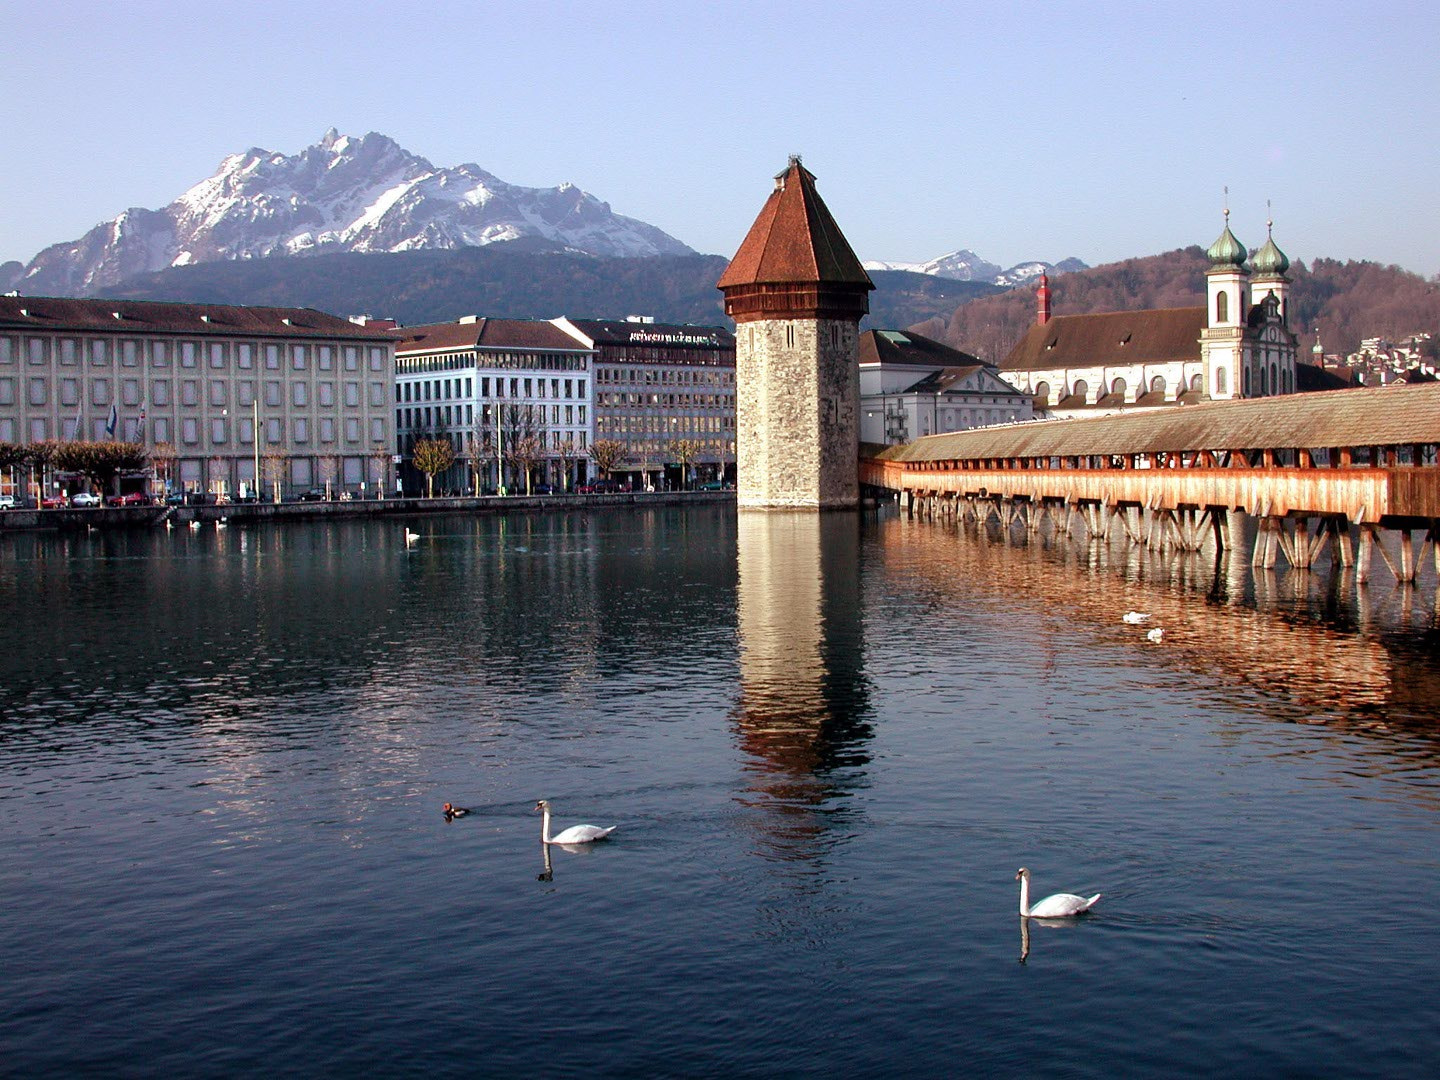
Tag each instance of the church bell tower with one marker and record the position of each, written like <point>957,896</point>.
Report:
<point>797,293</point>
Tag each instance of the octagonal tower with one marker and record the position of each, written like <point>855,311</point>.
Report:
<point>797,293</point>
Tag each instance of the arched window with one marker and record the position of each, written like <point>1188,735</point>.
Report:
<point>1222,306</point>
<point>1197,381</point>
<point>1042,391</point>
<point>1157,384</point>
<point>1274,379</point>
<point>1220,382</point>
<point>1117,387</point>
<point>1082,389</point>
<point>1247,382</point>
<point>1264,380</point>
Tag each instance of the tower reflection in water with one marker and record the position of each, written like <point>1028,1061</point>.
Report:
<point>802,715</point>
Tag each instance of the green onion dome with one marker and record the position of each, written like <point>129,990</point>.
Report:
<point>1270,260</point>
<point>1226,251</point>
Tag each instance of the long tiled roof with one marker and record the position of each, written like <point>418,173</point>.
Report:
<point>1384,416</point>
<point>897,347</point>
<point>59,314</point>
<point>794,240</point>
<point>1109,338</point>
<point>483,334</point>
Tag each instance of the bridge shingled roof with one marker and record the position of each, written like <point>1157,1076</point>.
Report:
<point>1378,416</point>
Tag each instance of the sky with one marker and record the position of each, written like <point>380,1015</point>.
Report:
<point>1021,131</point>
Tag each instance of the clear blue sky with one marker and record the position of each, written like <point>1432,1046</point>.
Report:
<point>1021,131</point>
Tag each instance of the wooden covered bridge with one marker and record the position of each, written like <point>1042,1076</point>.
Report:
<point>1316,470</point>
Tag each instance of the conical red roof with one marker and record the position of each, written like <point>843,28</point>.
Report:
<point>795,241</point>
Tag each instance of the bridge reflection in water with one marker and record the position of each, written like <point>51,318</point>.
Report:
<point>803,712</point>
<point>1310,648</point>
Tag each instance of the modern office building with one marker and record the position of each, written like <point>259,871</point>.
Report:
<point>218,393</point>
<point>666,392</point>
<point>513,396</point>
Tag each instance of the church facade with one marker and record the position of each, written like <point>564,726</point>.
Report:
<point>1239,345</point>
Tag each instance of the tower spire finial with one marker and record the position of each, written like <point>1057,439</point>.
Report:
<point>1269,220</point>
<point>1226,204</point>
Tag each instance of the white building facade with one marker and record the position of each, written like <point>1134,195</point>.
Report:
<point>513,396</point>
<point>1239,345</point>
<point>911,385</point>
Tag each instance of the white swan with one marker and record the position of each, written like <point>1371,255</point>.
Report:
<point>1052,907</point>
<point>576,834</point>
<point>410,537</point>
<point>1135,618</point>
<point>195,524</point>
<point>1155,635</point>
<point>220,523</point>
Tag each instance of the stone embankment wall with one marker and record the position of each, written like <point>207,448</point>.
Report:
<point>254,513</point>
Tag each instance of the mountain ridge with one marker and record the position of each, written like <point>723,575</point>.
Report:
<point>340,194</point>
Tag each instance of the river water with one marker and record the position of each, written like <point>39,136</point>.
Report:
<point>828,744</point>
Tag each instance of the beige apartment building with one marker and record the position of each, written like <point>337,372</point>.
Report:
<point>300,396</point>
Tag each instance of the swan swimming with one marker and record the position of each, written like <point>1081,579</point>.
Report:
<point>1052,907</point>
<point>1155,635</point>
<point>576,834</point>
<point>410,537</point>
<point>1135,618</point>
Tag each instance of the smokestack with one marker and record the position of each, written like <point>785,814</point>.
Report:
<point>1042,296</point>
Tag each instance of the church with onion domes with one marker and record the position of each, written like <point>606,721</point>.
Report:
<point>1239,345</point>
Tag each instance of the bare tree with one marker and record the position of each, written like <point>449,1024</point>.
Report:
<point>433,456</point>
<point>566,451</point>
<point>162,459</point>
<point>379,467</point>
<point>685,451</point>
<point>329,472</point>
<point>272,467</point>
<point>522,437</point>
<point>608,454</point>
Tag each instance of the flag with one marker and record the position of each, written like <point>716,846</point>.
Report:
<point>113,422</point>
<point>140,429</point>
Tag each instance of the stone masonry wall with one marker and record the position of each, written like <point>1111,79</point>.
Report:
<point>797,413</point>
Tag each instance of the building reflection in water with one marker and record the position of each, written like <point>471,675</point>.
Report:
<point>802,715</point>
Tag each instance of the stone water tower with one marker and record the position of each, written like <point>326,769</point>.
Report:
<point>797,293</point>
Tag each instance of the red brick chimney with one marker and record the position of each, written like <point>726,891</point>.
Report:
<point>1042,294</point>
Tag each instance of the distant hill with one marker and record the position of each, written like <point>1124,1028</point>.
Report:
<point>1347,301</point>
<point>503,281</point>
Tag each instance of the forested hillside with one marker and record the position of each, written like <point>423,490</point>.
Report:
<point>507,282</point>
<point>1347,301</point>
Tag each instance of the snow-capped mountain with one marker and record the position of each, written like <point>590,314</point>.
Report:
<point>342,194</point>
<point>965,265</point>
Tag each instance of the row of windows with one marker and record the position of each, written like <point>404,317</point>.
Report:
<point>217,393</point>
<point>1119,387</point>
<point>189,429</point>
<point>622,425</point>
<point>616,399</point>
<point>451,415</point>
<point>561,444</point>
<point>450,389</point>
<point>218,355</point>
<point>508,361</point>
<point>665,376</point>
<point>650,354</point>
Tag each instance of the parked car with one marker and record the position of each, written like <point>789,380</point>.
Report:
<point>542,489</point>
<point>7,502</point>
<point>54,502</point>
<point>313,495</point>
<point>84,499</point>
<point>130,498</point>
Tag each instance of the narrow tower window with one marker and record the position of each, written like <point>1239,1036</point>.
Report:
<point>1222,307</point>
